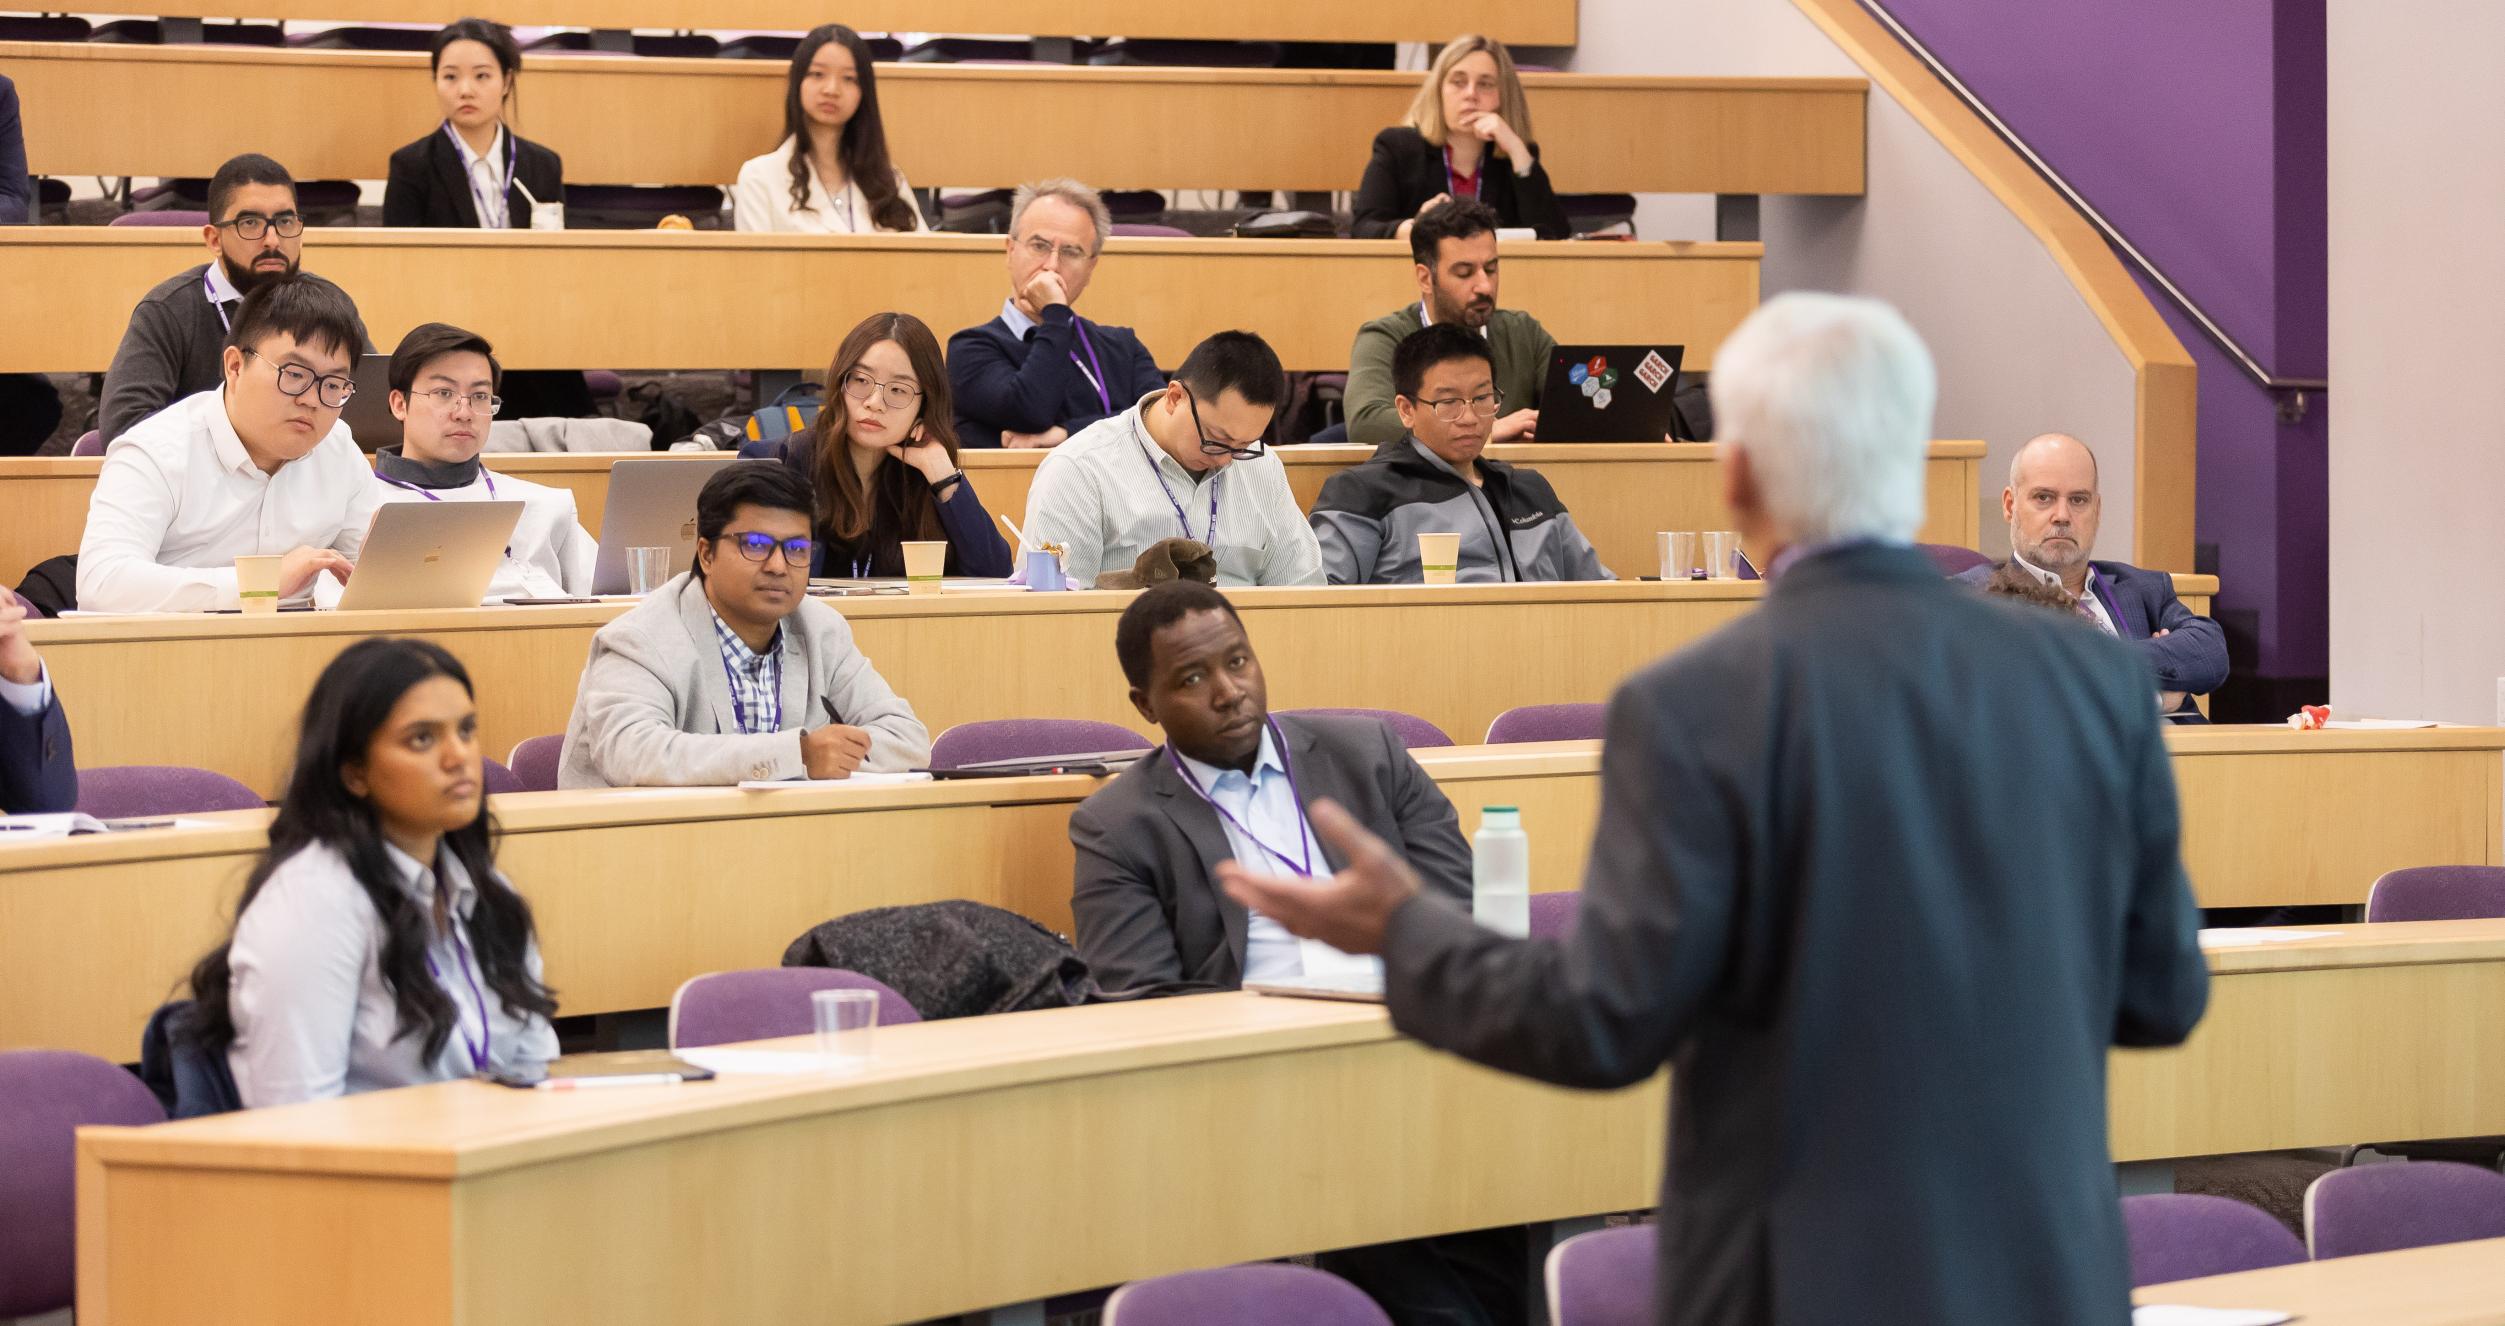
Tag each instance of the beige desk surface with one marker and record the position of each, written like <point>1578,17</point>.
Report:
<point>657,299</point>
<point>1620,493</point>
<point>465,1202</point>
<point>683,121</point>
<point>2450,1284</point>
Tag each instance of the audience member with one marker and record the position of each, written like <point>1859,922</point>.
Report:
<point>1467,135</point>
<point>832,175</point>
<point>443,391</point>
<point>1511,524</point>
<point>1039,372</point>
<point>178,334</point>
<point>2052,506</point>
<point>38,772</point>
<point>1161,469</point>
<point>376,944</point>
<point>731,672</point>
<point>1453,254</point>
<point>881,462</point>
<point>261,466</point>
<point>17,188</point>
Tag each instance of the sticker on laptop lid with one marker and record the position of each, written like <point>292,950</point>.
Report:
<point>1653,371</point>
<point>1600,399</point>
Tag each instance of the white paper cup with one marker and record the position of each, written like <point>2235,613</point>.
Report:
<point>1439,557</point>
<point>547,216</point>
<point>926,560</point>
<point>256,583</point>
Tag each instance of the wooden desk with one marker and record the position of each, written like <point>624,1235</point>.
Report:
<point>677,121</point>
<point>446,1202</point>
<point>645,299</point>
<point>1620,494</point>
<point>2450,1284</point>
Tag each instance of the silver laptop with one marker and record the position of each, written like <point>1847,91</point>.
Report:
<point>651,504</point>
<point>368,413</point>
<point>430,555</point>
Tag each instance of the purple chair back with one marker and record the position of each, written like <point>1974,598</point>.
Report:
<point>1143,230</point>
<point>1256,1295</point>
<point>29,604</point>
<point>1415,733</point>
<point>130,791</point>
<point>1029,738</point>
<point>500,779</point>
<point>2184,1236</point>
<point>90,443</point>
<point>1549,722</point>
<point>45,1096</point>
<point>164,217</point>
<point>535,762</point>
<point>765,1002</point>
<point>2411,1204</point>
<point>1604,1278</point>
<point>2437,893</point>
<point>1953,560</point>
<point>1552,914</point>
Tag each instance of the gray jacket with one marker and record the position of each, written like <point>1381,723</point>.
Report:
<point>1369,516</point>
<point>174,347</point>
<point>654,707</point>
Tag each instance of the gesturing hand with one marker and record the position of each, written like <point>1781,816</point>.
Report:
<point>1350,910</point>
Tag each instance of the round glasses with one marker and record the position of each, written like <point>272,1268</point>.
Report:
<point>448,400</point>
<point>861,386</point>
<point>296,380</point>
<point>757,547</point>
<point>253,225</point>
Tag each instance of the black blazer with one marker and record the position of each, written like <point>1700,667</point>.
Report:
<point>1407,170</point>
<point>38,772</point>
<point>1146,900</point>
<point>428,187</point>
<point>1883,870</point>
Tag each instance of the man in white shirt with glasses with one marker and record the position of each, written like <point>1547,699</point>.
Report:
<point>258,466</point>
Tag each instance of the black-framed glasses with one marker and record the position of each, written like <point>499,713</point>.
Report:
<point>1210,446</point>
<point>900,395</point>
<point>1449,409</point>
<point>296,380</point>
<point>757,547</point>
<point>447,400</point>
<point>253,225</point>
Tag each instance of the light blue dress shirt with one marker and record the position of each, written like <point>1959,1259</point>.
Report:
<point>1280,842</point>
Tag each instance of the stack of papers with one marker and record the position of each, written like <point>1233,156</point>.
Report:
<point>2242,938</point>
<point>861,778</point>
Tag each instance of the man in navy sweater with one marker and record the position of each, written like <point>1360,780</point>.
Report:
<point>37,775</point>
<point>1039,372</point>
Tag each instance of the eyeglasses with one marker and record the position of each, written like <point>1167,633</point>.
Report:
<point>252,225</point>
<point>296,380</point>
<point>1450,408</point>
<point>1210,446</point>
<point>1043,249</point>
<point>900,395</point>
<point>448,400</point>
<point>757,547</point>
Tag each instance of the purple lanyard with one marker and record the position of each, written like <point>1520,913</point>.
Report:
<point>1096,379</point>
<point>1303,864</point>
<point>211,292</point>
<point>739,710</point>
<point>1168,489</point>
<point>1452,190</point>
<point>504,201</point>
<point>486,1037</point>
<point>483,473</point>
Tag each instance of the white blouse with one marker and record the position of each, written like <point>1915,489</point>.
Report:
<point>762,200</point>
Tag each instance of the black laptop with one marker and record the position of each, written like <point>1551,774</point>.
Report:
<point>1609,393</point>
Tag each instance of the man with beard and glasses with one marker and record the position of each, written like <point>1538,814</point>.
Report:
<point>176,341</point>
<point>1453,248</point>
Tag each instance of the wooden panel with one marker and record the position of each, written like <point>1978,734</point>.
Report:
<point>2450,1284</point>
<point>2311,825</point>
<point>674,121</point>
<point>657,299</point>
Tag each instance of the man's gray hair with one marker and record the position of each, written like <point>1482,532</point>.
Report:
<point>1831,398</point>
<point>1069,191</point>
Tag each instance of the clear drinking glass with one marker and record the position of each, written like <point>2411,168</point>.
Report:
<point>1678,554</point>
<point>845,1020</point>
<point>1722,548</point>
<point>647,569</point>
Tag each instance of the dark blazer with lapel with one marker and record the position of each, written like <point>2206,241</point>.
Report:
<point>38,773</point>
<point>1406,170</point>
<point>428,187</point>
<point>1147,904</point>
<point>2193,656</point>
<point>1882,871</point>
<point>1027,385</point>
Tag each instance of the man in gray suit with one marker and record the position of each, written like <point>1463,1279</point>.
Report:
<point>1831,885</point>
<point>731,672</point>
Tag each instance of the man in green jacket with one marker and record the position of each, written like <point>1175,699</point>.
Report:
<point>1454,249</point>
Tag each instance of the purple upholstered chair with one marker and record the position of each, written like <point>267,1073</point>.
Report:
<point>1029,738</point>
<point>45,1096</point>
<point>90,443</point>
<point>500,779</point>
<point>1604,1278</point>
<point>2437,893</point>
<point>2383,1208</point>
<point>1548,722</point>
<point>1143,230</point>
<point>130,791</point>
<point>1415,733</point>
<point>535,762</point>
<point>761,1003</point>
<point>1552,914</point>
<point>2184,1236</point>
<point>1256,1295</point>
<point>169,216</point>
<point>1953,560</point>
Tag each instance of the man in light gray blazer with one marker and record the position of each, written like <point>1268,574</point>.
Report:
<point>731,672</point>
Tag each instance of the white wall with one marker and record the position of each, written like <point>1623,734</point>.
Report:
<point>2417,317</point>
<point>2019,352</point>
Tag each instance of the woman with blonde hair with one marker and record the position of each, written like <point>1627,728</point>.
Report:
<point>1467,135</point>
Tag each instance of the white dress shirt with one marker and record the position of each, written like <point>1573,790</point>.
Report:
<point>550,556</point>
<point>1280,842</point>
<point>179,500</point>
<point>762,200</point>
<point>29,698</point>
<point>488,179</point>
<point>2091,604</point>
<point>313,1018</point>
<point>1099,495</point>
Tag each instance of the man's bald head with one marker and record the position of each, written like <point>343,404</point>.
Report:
<point>2052,506</point>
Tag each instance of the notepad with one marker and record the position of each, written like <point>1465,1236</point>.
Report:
<point>2379,724</point>
<point>860,778</point>
<point>2163,1314</point>
<point>2244,938</point>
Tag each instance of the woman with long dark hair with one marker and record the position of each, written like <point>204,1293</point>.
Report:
<point>832,175</point>
<point>376,945</point>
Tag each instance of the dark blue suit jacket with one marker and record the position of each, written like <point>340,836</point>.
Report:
<point>1003,383</point>
<point>17,192</point>
<point>2193,656</point>
<point>38,776</point>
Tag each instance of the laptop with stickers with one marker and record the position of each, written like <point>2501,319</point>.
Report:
<point>1609,393</point>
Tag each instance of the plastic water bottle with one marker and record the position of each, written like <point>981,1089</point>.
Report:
<point>1500,872</point>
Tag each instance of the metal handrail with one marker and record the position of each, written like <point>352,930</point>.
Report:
<point>2235,350</point>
